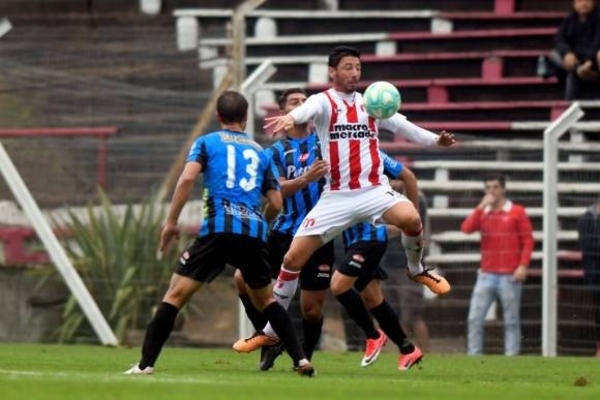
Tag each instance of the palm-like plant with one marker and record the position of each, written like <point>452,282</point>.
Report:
<point>116,256</point>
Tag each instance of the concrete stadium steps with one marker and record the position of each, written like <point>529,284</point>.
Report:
<point>41,7</point>
<point>459,89</point>
<point>475,40</point>
<point>544,110</point>
<point>486,64</point>
<point>212,22</point>
<point>404,42</point>
<point>450,113</point>
<point>499,6</point>
<point>313,22</point>
<point>469,20</point>
<point>283,5</point>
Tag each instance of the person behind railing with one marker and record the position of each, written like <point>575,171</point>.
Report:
<point>576,50</point>
<point>589,241</point>
<point>506,248</point>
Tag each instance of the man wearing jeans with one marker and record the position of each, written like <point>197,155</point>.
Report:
<point>506,247</point>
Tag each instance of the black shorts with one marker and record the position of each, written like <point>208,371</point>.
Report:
<point>206,258</point>
<point>362,260</point>
<point>316,273</point>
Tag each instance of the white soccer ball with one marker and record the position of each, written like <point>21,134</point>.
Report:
<point>382,100</point>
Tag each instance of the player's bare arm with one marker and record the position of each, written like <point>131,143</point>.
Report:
<point>182,193</point>
<point>316,171</point>
<point>275,201</point>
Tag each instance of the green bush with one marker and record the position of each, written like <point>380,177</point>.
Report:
<point>117,258</point>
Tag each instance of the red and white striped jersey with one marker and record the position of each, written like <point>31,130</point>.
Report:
<point>349,138</point>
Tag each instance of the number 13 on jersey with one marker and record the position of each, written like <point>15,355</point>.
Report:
<point>251,161</point>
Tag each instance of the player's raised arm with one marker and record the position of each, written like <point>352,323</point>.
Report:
<point>317,170</point>
<point>310,109</point>
<point>399,125</point>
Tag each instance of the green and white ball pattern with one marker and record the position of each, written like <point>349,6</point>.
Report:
<point>382,100</point>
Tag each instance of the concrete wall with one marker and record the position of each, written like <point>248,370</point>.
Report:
<point>29,313</point>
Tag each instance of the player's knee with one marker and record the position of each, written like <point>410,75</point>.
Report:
<point>292,261</point>
<point>341,283</point>
<point>177,296</point>
<point>312,314</point>
<point>412,223</point>
<point>372,300</point>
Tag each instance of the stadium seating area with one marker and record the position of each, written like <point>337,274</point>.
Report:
<point>466,66</point>
<point>469,71</point>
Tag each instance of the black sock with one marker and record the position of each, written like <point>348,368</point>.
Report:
<point>389,323</point>
<point>157,333</point>
<point>282,325</point>
<point>355,307</point>
<point>312,334</point>
<point>257,318</point>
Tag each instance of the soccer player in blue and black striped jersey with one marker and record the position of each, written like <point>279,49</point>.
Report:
<point>300,169</point>
<point>237,173</point>
<point>360,272</point>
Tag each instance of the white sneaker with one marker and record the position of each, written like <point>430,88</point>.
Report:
<point>135,370</point>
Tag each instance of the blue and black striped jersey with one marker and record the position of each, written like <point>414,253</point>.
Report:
<point>292,158</point>
<point>365,231</point>
<point>237,171</point>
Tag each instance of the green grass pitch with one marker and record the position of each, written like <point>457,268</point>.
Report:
<point>93,373</point>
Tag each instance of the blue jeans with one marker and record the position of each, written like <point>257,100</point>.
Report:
<point>488,288</point>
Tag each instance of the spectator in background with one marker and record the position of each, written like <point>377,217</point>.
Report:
<point>589,240</point>
<point>406,298</point>
<point>575,53</point>
<point>506,247</point>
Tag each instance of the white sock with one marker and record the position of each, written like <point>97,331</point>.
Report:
<point>284,291</point>
<point>285,286</point>
<point>413,246</point>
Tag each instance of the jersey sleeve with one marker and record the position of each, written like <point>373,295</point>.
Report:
<point>312,108</point>
<point>391,168</point>
<point>399,125</point>
<point>198,152</point>
<point>276,157</point>
<point>270,181</point>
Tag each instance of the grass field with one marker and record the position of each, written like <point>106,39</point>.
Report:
<point>93,373</point>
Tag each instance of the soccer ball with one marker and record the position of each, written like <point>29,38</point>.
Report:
<point>382,100</point>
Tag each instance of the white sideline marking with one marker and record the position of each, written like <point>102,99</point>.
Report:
<point>107,377</point>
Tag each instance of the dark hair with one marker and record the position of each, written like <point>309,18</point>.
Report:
<point>496,176</point>
<point>286,93</point>
<point>232,107</point>
<point>340,52</point>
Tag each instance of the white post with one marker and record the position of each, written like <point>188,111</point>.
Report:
<point>5,26</point>
<point>238,21</point>
<point>550,224</point>
<point>57,253</point>
<point>253,83</point>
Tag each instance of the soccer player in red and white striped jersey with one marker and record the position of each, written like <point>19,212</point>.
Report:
<point>356,189</point>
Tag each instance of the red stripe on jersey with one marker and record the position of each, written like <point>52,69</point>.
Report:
<point>334,163</point>
<point>355,167</point>
<point>376,161</point>
<point>351,113</point>
<point>372,125</point>
<point>334,112</point>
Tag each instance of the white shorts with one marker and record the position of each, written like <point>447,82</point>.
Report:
<point>338,210</point>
